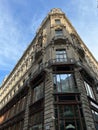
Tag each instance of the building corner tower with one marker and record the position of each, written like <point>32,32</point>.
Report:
<point>54,86</point>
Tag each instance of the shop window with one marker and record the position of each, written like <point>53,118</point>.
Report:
<point>61,55</point>
<point>64,83</point>
<point>89,90</point>
<point>38,92</point>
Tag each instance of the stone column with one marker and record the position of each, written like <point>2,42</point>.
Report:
<point>48,106</point>
<point>85,103</point>
<point>26,116</point>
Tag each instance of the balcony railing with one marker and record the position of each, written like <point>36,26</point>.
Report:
<point>61,61</point>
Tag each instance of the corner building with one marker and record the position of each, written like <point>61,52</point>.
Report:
<point>54,86</point>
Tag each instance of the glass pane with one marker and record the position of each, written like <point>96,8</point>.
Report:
<point>68,111</point>
<point>78,125</point>
<point>62,125</point>
<point>96,116</point>
<point>56,112</point>
<point>64,82</point>
<point>61,55</point>
<point>38,92</point>
<point>61,112</point>
<point>89,90</point>
<point>96,125</point>
<point>58,83</point>
<point>76,111</point>
<point>56,125</point>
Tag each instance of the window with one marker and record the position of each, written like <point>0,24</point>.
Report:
<point>59,32</point>
<point>68,114</point>
<point>38,92</point>
<point>89,90</point>
<point>69,117</point>
<point>95,116</point>
<point>61,55</point>
<point>64,83</point>
<point>36,121</point>
<point>57,21</point>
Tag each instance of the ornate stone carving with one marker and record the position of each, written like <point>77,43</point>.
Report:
<point>56,10</point>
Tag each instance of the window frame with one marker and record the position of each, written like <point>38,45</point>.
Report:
<point>70,84</point>
<point>61,55</point>
<point>89,90</point>
<point>57,21</point>
<point>74,103</point>
<point>58,32</point>
<point>38,92</point>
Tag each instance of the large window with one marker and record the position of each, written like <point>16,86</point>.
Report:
<point>61,55</point>
<point>36,121</point>
<point>89,90</point>
<point>64,83</point>
<point>68,112</point>
<point>38,92</point>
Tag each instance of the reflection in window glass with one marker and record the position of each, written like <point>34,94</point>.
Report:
<point>64,83</point>
<point>38,92</point>
<point>89,90</point>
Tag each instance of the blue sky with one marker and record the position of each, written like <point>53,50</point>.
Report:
<point>19,20</point>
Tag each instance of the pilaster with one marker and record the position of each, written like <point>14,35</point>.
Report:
<point>26,116</point>
<point>85,103</point>
<point>49,108</point>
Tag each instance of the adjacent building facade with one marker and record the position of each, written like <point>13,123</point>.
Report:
<point>54,86</point>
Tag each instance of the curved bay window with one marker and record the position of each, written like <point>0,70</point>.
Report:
<point>64,83</point>
<point>68,112</point>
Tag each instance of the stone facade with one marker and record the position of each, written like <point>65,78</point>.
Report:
<point>55,83</point>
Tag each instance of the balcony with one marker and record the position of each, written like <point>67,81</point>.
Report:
<point>38,52</point>
<point>88,72</point>
<point>38,74</point>
<point>61,61</point>
<point>59,37</point>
